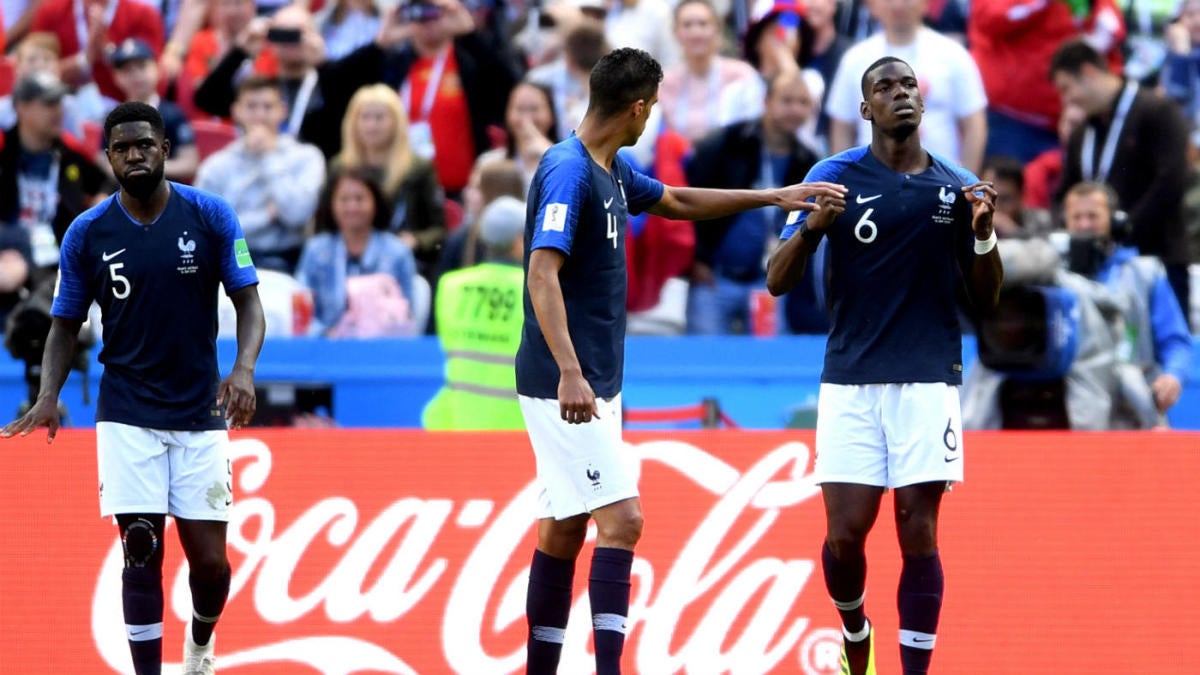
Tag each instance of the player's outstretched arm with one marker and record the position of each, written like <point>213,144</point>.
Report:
<point>56,364</point>
<point>576,400</point>
<point>237,389</point>
<point>680,203</point>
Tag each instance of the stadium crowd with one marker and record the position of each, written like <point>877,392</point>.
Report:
<point>361,142</point>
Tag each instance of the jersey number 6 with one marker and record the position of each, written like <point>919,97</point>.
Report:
<point>119,280</point>
<point>865,230</point>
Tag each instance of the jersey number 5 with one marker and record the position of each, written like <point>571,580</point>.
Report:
<point>612,228</point>
<point>120,286</point>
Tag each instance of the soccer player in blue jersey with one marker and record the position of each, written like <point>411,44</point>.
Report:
<point>912,232</point>
<point>152,256</point>
<point>571,358</point>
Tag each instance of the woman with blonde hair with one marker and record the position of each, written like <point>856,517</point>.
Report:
<point>375,139</point>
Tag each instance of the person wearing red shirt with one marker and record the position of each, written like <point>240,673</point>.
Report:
<point>88,30</point>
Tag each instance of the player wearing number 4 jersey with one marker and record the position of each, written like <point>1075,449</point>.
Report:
<point>153,256</point>
<point>899,247</point>
<point>571,358</point>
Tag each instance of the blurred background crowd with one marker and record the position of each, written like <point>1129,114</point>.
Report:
<point>378,155</point>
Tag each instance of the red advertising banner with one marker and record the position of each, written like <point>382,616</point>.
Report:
<point>361,552</point>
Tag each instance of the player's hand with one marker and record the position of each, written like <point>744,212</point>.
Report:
<point>236,393</point>
<point>576,400</point>
<point>983,204</point>
<point>253,37</point>
<point>393,31</point>
<point>829,207</point>
<point>796,197</point>
<point>1166,390</point>
<point>44,413</point>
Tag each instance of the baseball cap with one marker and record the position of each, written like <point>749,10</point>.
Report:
<point>502,221</point>
<point>132,49</point>
<point>792,10</point>
<point>40,86</point>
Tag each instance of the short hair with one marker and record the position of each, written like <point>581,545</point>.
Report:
<point>134,111</point>
<point>500,177</point>
<point>41,40</point>
<point>866,76</point>
<point>707,4</point>
<point>324,221</point>
<point>786,77</point>
<point>259,83</point>
<point>1072,55</point>
<point>1088,187</point>
<point>585,44</point>
<point>1006,168</point>
<point>622,77</point>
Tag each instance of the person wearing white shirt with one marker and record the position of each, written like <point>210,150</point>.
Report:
<point>955,121</point>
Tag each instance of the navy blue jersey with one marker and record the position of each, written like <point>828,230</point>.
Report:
<point>579,208</point>
<point>156,286</point>
<point>893,272</point>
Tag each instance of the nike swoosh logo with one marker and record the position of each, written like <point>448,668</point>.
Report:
<point>860,200</point>
<point>951,458</point>
<point>920,640</point>
<point>135,633</point>
<point>608,202</point>
<point>109,256</point>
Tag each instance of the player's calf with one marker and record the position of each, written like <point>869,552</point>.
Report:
<point>141,590</point>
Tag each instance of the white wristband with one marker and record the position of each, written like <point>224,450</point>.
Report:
<point>985,246</point>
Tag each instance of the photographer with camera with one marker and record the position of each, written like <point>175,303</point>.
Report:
<point>1088,334</point>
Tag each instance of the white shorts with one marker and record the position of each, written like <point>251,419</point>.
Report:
<point>580,467</point>
<point>889,435</point>
<point>186,474</point>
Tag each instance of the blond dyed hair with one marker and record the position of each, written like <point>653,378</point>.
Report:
<point>400,155</point>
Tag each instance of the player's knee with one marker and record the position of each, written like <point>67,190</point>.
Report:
<point>917,532</point>
<point>141,542</point>
<point>623,529</point>
<point>209,565</point>
<point>847,537</point>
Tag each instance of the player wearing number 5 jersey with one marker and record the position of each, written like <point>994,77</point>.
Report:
<point>570,362</point>
<point>912,232</point>
<point>153,257</point>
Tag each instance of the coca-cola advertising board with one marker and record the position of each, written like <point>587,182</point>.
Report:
<point>407,552</point>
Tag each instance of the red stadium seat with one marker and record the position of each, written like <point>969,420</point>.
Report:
<point>211,136</point>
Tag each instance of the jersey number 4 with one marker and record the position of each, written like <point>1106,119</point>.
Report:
<point>120,286</point>
<point>612,229</point>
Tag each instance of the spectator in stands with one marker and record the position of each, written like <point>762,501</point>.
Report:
<point>491,179</point>
<point>46,177</point>
<point>136,72</point>
<point>229,31</point>
<point>88,30</point>
<point>828,47</point>
<point>38,52</point>
<point>644,24</point>
<point>955,121</point>
<point>1043,175</point>
<point>352,240</point>
<point>16,267</point>
<point>530,126</point>
<point>299,49</point>
<point>778,41</point>
<point>690,93</point>
<point>731,251</point>
<point>479,316</point>
<point>567,75</point>
<point>1012,218</point>
<point>347,25</point>
<point>1154,338</point>
<point>1134,140</point>
<point>375,140</point>
<point>1012,42</point>
<point>448,80</point>
<point>1181,72</point>
<point>271,179</point>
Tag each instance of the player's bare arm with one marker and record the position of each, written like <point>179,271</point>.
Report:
<point>56,364</point>
<point>681,203</point>
<point>786,266</point>
<point>986,271</point>
<point>237,389</point>
<point>576,400</point>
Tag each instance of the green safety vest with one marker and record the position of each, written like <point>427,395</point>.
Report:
<point>479,314</point>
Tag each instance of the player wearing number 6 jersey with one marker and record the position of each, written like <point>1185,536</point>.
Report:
<point>571,358</point>
<point>152,257</point>
<point>898,249</point>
